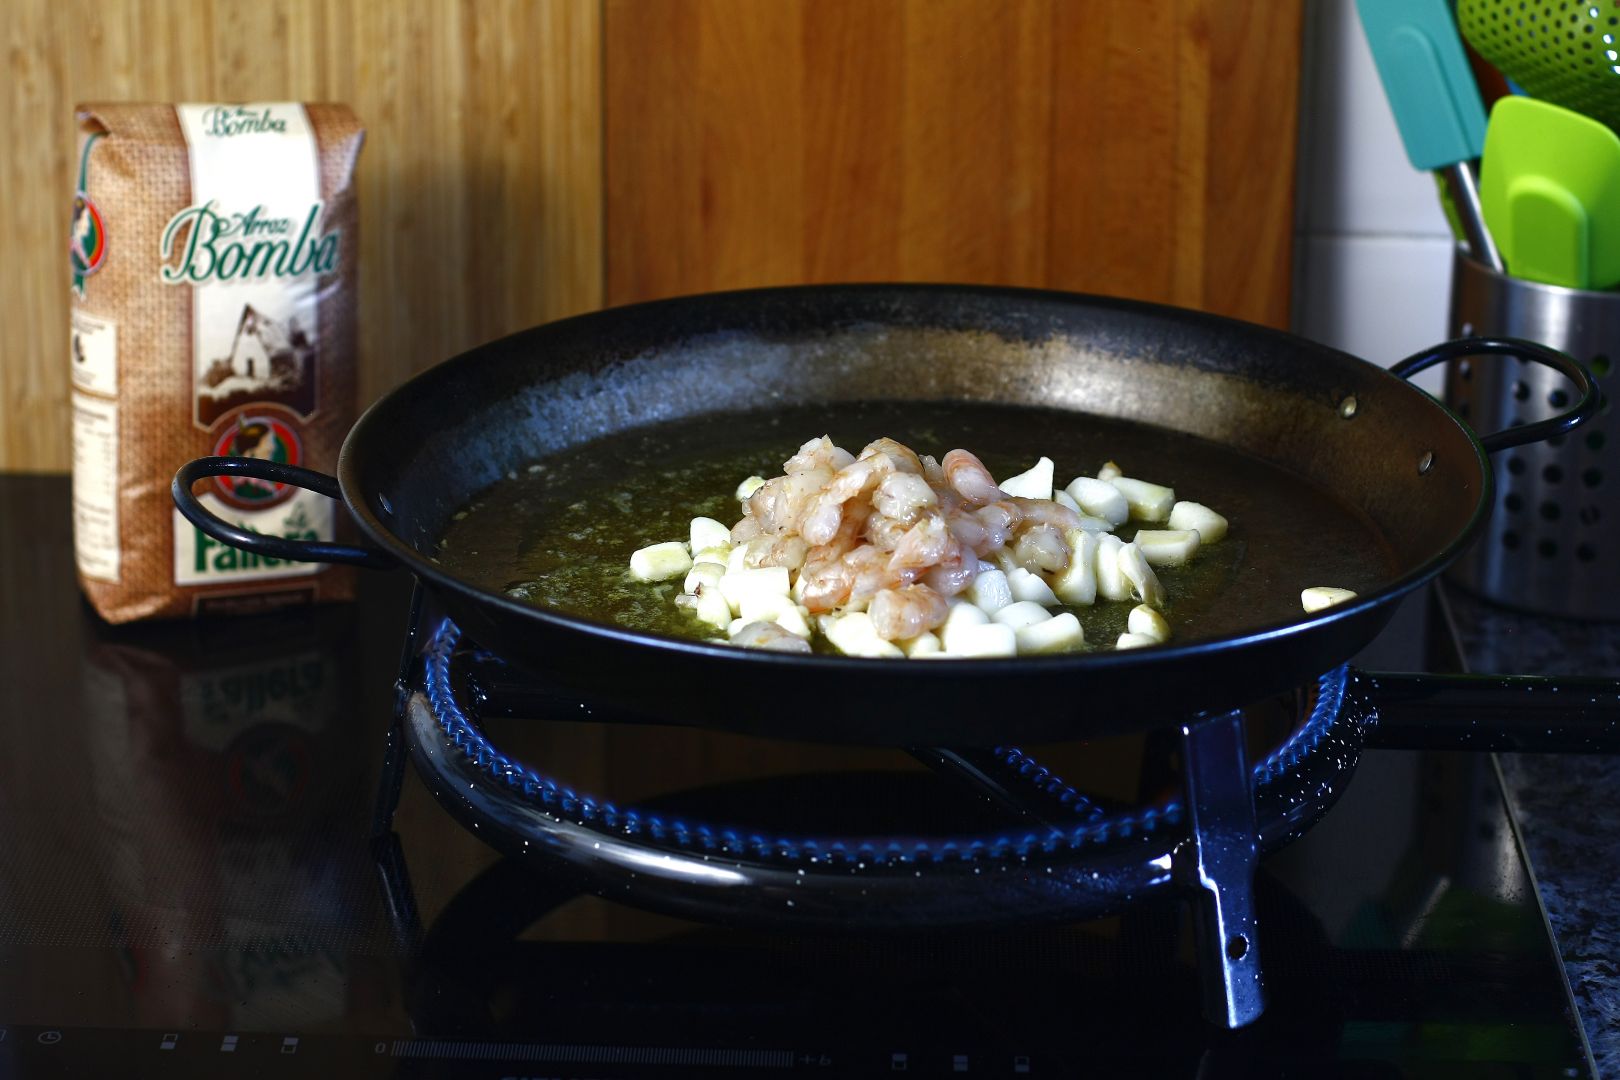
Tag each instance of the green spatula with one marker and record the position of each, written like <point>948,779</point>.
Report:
<point>1560,51</point>
<point>1550,188</point>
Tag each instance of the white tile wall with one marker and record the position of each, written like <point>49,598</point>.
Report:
<point>1373,251</point>
<point>1379,296</point>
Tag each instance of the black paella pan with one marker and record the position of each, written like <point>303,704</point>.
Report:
<point>1417,478</point>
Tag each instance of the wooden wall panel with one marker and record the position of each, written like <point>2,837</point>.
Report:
<point>480,184</point>
<point>529,159</point>
<point>1100,145</point>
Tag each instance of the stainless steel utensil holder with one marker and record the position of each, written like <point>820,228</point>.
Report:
<point>1553,542</point>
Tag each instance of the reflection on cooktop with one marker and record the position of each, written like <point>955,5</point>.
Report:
<point>186,874</point>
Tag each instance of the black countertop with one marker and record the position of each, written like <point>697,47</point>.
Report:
<point>169,864</point>
<point>1567,805</point>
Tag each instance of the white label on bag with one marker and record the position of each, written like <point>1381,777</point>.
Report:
<point>199,559</point>
<point>95,486</point>
<point>252,247</point>
<point>94,345</point>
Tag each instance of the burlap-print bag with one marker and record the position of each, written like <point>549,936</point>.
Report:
<point>213,251</point>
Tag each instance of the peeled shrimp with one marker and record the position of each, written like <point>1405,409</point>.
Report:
<point>925,544</point>
<point>891,536</point>
<point>968,477</point>
<point>903,496</point>
<point>1000,520</point>
<point>1042,547</point>
<point>898,614</point>
<point>949,501</point>
<point>767,506</point>
<point>819,453</point>
<point>825,582</point>
<point>789,551</point>
<point>885,533</point>
<point>852,532</point>
<point>802,491</point>
<point>872,574</point>
<point>952,574</point>
<point>846,572</point>
<point>781,503</point>
<point>969,531</point>
<point>1047,512</point>
<point>826,512</point>
<point>903,457</point>
<point>768,635</point>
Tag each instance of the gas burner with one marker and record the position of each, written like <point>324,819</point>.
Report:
<point>1295,783</point>
<point>1069,859</point>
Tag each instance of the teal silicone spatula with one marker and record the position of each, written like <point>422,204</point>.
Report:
<point>1431,91</point>
<point>1551,193</point>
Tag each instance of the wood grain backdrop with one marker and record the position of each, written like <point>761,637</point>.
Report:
<point>527,159</point>
<point>480,181</point>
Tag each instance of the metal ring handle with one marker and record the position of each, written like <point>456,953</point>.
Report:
<point>1572,369</point>
<point>273,547</point>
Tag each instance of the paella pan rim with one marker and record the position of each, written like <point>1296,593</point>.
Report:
<point>1363,609</point>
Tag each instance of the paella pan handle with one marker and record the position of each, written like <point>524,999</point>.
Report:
<point>272,547</point>
<point>1585,407</point>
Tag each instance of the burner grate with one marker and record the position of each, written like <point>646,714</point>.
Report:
<point>1276,780</point>
<point>1204,846</point>
<point>1091,861</point>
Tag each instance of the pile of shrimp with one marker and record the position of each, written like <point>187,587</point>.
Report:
<point>875,549</point>
<point>894,533</point>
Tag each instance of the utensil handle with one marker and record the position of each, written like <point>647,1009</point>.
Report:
<point>1471,215</point>
<point>272,547</point>
<point>1583,410</point>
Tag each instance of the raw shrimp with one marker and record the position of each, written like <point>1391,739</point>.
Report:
<point>952,574</point>
<point>1000,520</point>
<point>968,477</point>
<point>789,551</point>
<point>872,574</point>
<point>802,491</point>
<point>1042,547</point>
<point>768,635</point>
<point>903,457</point>
<point>830,570</point>
<point>851,531</point>
<point>885,533</point>
<point>969,531</point>
<point>819,453</point>
<point>948,500</point>
<point>850,580</point>
<point>903,496</point>
<point>826,512</point>
<point>898,614</point>
<point>890,533</point>
<point>767,506</point>
<point>925,544</point>
<point>1047,512</point>
<point>825,582</point>
<point>782,502</point>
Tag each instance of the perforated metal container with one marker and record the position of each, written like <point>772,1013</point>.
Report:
<point>1553,542</point>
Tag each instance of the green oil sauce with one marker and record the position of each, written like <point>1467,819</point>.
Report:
<point>560,534</point>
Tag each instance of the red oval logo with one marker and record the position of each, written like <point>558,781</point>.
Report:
<point>87,241</point>
<point>263,436</point>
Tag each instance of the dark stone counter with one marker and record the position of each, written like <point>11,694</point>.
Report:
<point>1567,805</point>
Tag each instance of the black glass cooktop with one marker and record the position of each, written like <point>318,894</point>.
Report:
<point>187,887</point>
